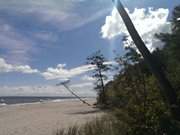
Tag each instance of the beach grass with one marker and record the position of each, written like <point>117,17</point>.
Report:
<point>105,125</point>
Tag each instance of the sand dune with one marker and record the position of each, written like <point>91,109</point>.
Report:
<point>44,118</point>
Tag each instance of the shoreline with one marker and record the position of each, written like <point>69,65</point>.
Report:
<point>44,118</point>
<point>47,101</point>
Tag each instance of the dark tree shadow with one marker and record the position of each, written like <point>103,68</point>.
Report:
<point>85,112</point>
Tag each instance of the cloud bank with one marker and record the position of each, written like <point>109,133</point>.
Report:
<point>58,73</point>
<point>6,68</point>
<point>82,86</point>
<point>148,22</point>
<point>61,73</point>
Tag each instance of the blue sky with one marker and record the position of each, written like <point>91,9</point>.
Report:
<point>38,35</point>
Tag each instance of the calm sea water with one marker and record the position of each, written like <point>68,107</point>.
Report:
<point>24,100</point>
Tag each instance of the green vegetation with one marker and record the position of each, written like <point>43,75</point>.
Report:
<point>134,97</point>
<point>101,126</point>
<point>98,60</point>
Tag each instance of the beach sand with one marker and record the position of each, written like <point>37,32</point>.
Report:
<point>44,118</point>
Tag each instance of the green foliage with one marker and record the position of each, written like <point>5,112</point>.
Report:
<point>170,54</point>
<point>135,97</point>
<point>134,94</point>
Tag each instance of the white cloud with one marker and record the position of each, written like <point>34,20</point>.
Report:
<point>147,22</point>
<point>87,78</point>
<point>58,73</point>
<point>61,73</point>
<point>25,69</point>
<point>5,68</point>
<point>110,63</point>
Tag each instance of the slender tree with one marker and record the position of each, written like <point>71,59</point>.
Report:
<point>98,59</point>
<point>169,93</point>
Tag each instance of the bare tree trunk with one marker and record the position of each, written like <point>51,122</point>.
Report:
<point>83,101</point>
<point>103,88</point>
<point>166,88</point>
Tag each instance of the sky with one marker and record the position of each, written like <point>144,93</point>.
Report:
<point>43,42</point>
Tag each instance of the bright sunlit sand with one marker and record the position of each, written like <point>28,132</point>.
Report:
<point>44,118</point>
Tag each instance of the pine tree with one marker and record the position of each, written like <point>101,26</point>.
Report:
<point>99,74</point>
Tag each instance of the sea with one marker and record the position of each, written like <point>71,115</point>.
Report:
<point>26,100</point>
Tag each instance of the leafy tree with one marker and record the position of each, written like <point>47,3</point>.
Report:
<point>134,93</point>
<point>136,100</point>
<point>167,90</point>
<point>170,54</point>
<point>99,60</point>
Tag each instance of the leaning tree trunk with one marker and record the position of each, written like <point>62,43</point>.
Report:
<point>166,88</point>
<point>103,98</point>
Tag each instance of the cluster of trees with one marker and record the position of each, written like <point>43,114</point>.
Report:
<point>133,98</point>
<point>134,95</point>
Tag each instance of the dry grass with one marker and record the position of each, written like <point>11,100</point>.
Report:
<point>100,126</point>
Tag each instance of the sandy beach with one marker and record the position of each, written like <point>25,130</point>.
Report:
<point>44,118</point>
